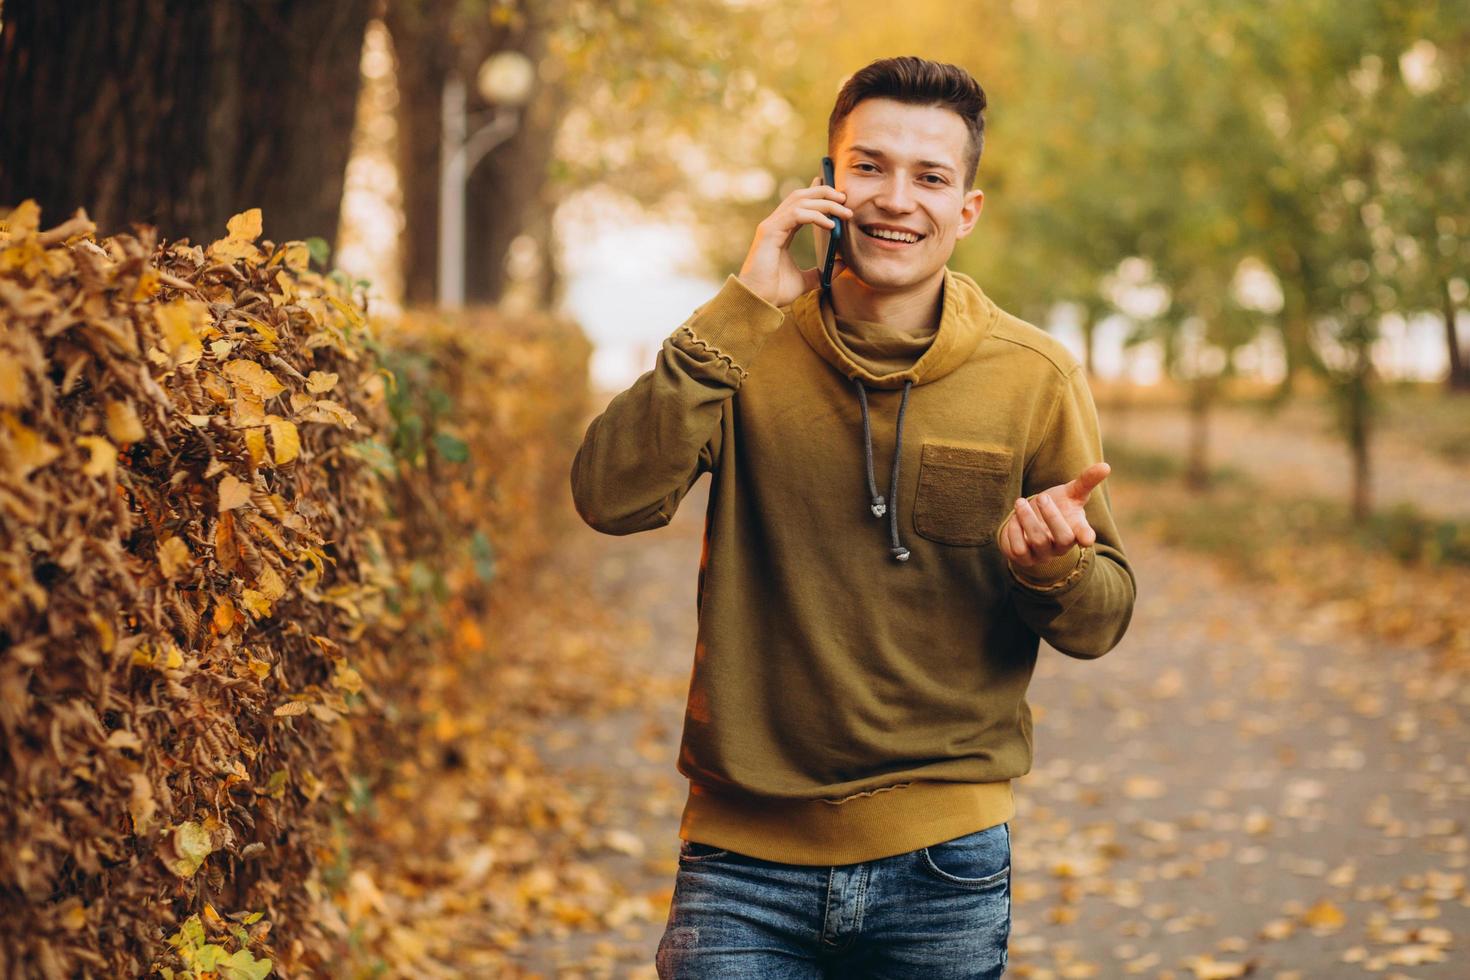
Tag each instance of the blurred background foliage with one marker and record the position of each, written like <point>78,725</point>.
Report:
<point>1225,178</point>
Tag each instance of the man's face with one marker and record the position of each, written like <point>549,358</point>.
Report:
<point>901,168</point>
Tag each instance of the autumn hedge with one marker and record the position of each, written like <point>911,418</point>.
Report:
<point>234,525</point>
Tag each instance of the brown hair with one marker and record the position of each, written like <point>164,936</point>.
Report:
<point>917,81</point>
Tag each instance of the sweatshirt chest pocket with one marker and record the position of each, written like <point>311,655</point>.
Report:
<point>964,491</point>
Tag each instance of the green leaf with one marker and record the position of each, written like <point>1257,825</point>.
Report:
<point>243,966</point>
<point>451,448</point>
<point>320,250</point>
<point>483,552</point>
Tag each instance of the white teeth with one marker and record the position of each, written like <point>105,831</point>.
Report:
<point>897,236</point>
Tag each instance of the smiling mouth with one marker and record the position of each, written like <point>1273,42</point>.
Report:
<point>892,242</point>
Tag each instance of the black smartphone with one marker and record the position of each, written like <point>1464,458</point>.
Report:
<point>834,234</point>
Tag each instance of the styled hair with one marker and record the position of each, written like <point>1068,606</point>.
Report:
<point>917,81</point>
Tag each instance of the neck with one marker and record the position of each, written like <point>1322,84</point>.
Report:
<point>914,309</point>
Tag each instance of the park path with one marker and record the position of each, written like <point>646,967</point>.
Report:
<point>1298,453</point>
<point>1238,788</point>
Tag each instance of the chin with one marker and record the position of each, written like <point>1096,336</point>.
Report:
<point>893,278</point>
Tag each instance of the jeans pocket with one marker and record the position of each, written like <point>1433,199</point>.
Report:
<point>692,852</point>
<point>979,860</point>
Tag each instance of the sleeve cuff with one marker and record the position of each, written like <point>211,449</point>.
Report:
<point>1044,575</point>
<point>736,323</point>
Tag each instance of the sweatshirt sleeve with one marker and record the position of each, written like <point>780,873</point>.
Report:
<point>1079,602</point>
<point>642,454</point>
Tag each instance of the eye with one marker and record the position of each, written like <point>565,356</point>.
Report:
<point>865,165</point>
<point>936,177</point>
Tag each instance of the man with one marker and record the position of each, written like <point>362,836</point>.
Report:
<point>857,702</point>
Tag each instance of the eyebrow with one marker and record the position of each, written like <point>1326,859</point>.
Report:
<point>880,155</point>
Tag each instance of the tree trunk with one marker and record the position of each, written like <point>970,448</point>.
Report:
<point>505,189</point>
<point>1459,379</point>
<point>420,41</point>
<point>1089,331</point>
<point>1197,470</point>
<point>233,106</point>
<point>1358,433</point>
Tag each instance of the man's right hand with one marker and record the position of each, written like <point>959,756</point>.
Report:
<point>769,270</point>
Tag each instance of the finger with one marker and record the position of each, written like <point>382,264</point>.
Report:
<point>1033,528</point>
<point>826,204</point>
<point>807,216</point>
<point>1061,531</point>
<point>827,189</point>
<point>1081,488</point>
<point>1015,543</point>
<point>1086,536</point>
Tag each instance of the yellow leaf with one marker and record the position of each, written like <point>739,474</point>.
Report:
<point>24,220</point>
<point>287,441</point>
<point>140,804</point>
<point>224,616</point>
<point>1143,788</point>
<point>291,709</point>
<point>124,739</point>
<point>27,450</point>
<point>296,256</point>
<point>174,557</point>
<point>255,444</point>
<point>320,381</point>
<point>14,389</point>
<point>103,457</point>
<point>122,422</point>
<point>326,410</point>
<point>351,312</point>
<point>232,493</point>
<point>1324,915</point>
<point>258,667</point>
<point>347,678</point>
<point>247,410</point>
<point>180,322</point>
<point>246,225</point>
<point>255,603</point>
<point>270,583</point>
<point>148,285</point>
<point>268,338</point>
<point>190,845</point>
<point>252,377</point>
<point>105,635</point>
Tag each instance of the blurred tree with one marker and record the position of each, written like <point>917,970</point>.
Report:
<point>1426,184</point>
<point>180,114</point>
<point>623,89</point>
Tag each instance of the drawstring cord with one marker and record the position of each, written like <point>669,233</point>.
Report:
<point>879,505</point>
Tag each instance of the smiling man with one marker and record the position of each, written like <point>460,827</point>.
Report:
<point>857,703</point>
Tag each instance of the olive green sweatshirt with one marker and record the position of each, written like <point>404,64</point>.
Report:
<point>864,648</point>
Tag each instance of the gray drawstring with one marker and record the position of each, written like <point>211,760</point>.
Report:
<point>880,506</point>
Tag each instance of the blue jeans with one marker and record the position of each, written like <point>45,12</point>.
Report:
<point>940,912</point>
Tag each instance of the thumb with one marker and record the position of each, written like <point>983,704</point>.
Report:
<point>1088,480</point>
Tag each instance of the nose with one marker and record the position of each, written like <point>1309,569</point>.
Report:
<point>895,195</point>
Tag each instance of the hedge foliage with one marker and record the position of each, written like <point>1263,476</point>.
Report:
<point>235,526</point>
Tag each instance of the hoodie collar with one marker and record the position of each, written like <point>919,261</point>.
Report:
<point>966,318</point>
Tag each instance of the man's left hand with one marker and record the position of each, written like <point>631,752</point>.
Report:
<point>1047,525</point>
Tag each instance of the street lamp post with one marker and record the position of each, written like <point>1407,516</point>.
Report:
<point>505,82</point>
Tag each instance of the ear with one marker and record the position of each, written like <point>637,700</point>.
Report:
<point>970,212</point>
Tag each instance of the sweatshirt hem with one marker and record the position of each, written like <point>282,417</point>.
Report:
<point>864,827</point>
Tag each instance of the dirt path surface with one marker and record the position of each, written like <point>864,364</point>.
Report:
<point>1237,789</point>
<point>1298,453</point>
